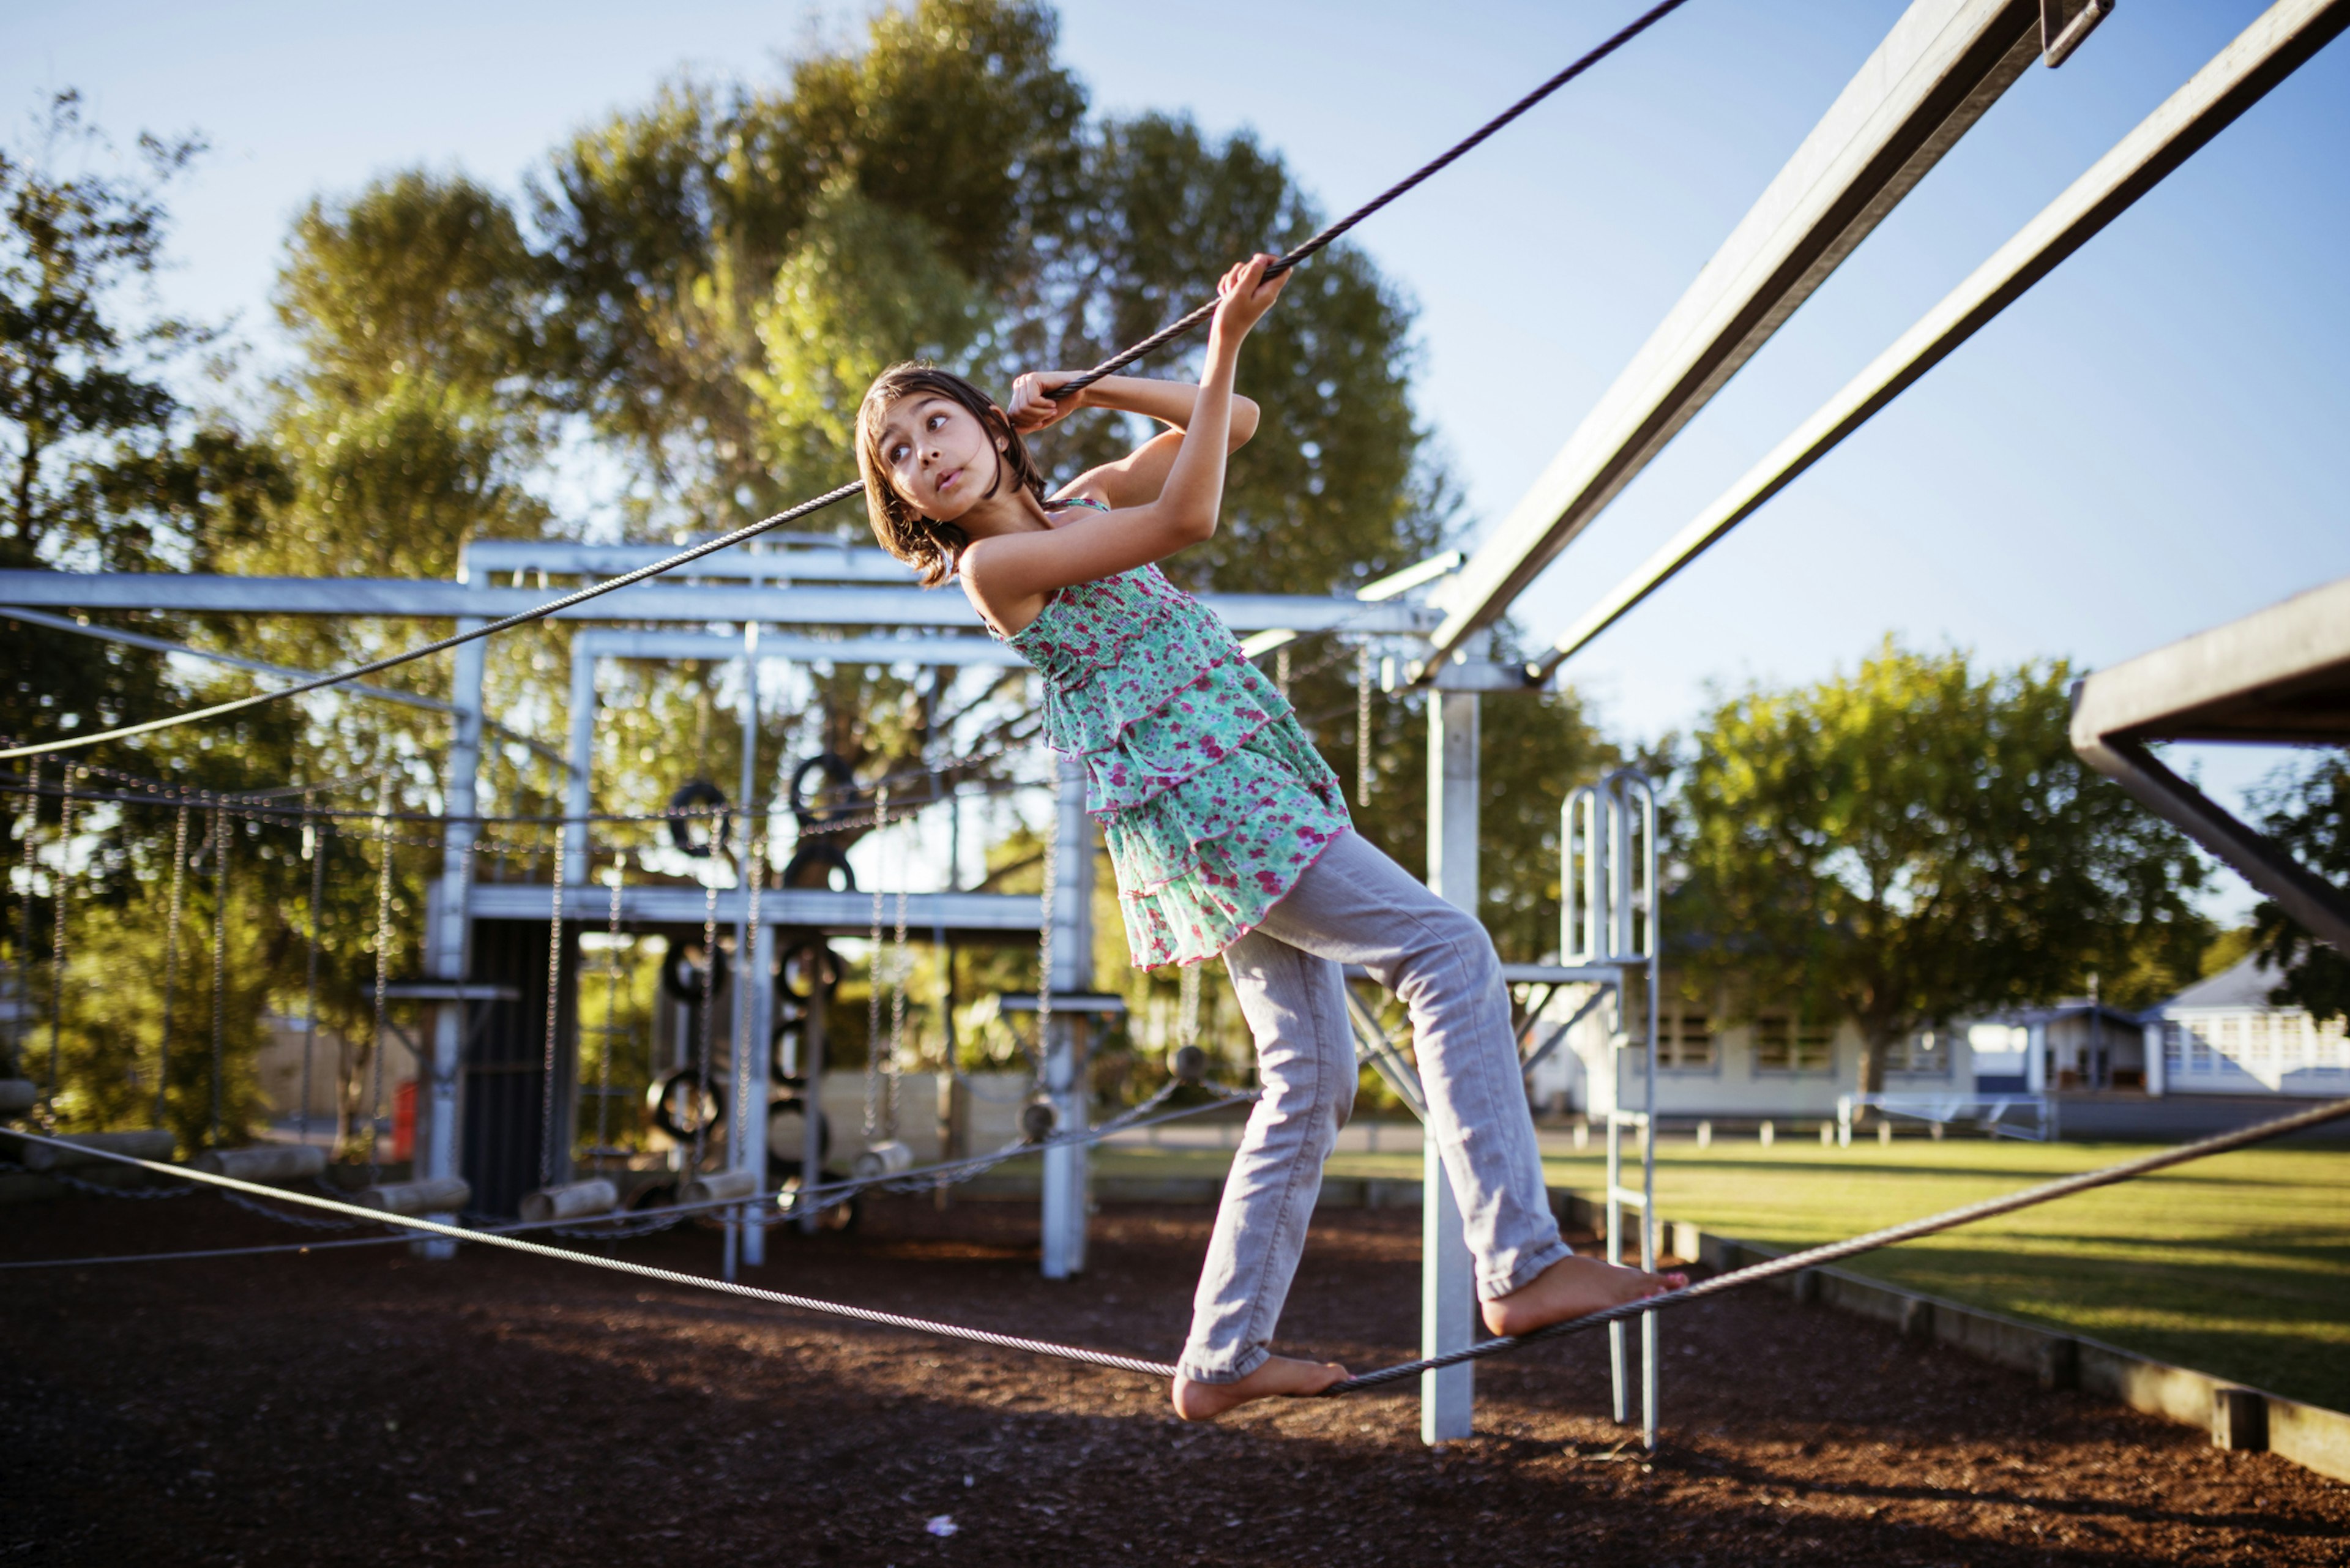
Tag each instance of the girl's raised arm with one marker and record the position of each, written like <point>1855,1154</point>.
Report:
<point>1008,575</point>
<point>1137,478</point>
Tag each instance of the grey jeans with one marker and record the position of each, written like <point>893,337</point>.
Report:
<point>1356,906</point>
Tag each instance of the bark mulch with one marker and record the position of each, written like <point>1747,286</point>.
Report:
<point>367,1407</point>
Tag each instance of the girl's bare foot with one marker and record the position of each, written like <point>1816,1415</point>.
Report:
<point>1572,1288</point>
<point>1282,1378</point>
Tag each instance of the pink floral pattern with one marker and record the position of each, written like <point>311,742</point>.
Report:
<point>1211,800</point>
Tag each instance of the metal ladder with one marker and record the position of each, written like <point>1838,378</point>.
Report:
<point>1607,921</point>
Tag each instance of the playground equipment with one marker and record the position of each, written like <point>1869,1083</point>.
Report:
<point>1942,66</point>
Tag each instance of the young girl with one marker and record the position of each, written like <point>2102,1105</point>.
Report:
<point>1228,831</point>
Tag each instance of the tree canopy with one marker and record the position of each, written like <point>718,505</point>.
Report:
<point>1916,841</point>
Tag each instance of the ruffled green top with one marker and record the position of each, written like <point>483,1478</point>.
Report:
<point>1211,800</point>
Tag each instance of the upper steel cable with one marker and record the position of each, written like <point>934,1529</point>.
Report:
<point>1164,336</point>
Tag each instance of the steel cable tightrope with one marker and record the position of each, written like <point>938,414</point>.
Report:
<point>2317,1116</point>
<point>1074,385</point>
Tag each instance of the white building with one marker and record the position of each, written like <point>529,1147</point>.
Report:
<point>1775,1066</point>
<point>2223,1036</point>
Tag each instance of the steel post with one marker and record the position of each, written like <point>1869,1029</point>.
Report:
<point>1067,1079</point>
<point>451,939</point>
<point>1448,1300</point>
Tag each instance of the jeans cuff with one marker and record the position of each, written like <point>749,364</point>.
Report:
<point>1530,1265</point>
<point>1194,1371</point>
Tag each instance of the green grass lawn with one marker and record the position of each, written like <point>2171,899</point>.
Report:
<point>2237,1265</point>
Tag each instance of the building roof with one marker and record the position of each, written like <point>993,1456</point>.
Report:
<point>2245,984</point>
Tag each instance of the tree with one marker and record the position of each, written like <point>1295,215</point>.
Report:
<point>669,224</point>
<point>106,466</point>
<point>2308,810</point>
<point>1916,841</point>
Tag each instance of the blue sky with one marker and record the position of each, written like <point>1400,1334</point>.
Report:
<point>2147,444</point>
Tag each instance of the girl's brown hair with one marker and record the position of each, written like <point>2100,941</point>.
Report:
<point>928,546</point>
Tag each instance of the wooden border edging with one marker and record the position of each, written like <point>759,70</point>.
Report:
<point>2238,1417</point>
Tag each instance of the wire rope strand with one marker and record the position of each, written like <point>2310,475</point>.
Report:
<point>314,850</point>
<point>1833,1251</point>
<point>57,951</point>
<point>1444,160</point>
<point>1077,384</point>
<point>674,1277</point>
<point>172,964</point>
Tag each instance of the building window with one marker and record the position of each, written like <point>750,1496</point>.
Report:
<point>1685,1040</point>
<point>2174,1048</point>
<point>1785,1045</point>
<point>1925,1054</point>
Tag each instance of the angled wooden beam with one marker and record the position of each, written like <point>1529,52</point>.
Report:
<point>2275,45</point>
<point>2282,674</point>
<point>1941,67</point>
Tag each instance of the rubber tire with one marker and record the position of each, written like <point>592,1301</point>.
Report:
<point>681,978</point>
<point>824,852</point>
<point>838,773</point>
<point>835,971</point>
<point>695,794</point>
<point>657,1104</point>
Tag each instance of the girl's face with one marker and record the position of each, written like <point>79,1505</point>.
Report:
<point>941,459</point>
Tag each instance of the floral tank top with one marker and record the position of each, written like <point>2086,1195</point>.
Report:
<point>1211,800</point>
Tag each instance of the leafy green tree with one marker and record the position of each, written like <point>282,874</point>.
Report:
<point>1916,841</point>
<point>670,225</point>
<point>2308,811</point>
<point>103,462</point>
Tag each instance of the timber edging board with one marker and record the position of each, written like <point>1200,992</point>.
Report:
<point>2309,1435</point>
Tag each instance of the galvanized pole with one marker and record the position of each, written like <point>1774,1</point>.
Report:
<point>1448,1299</point>
<point>1067,1078</point>
<point>753,948</point>
<point>452,926</point>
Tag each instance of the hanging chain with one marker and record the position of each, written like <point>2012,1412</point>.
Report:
<point>221,829</point>
<point>1049,903</point>
<point>900,966</point>
<point>1187,1015</point>
<point>382,969</point>
<point>553,1015</point>
<point>57,953</point>
<point>611,1010</point>
<point>1281,671</point>
<point>1364,778</point>
<point>752,1042</point>
<point>873,1092</point>
<point>172,961</point>
<point>709,1020</point>
<point>24,976</point>
<point>314,850</point>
